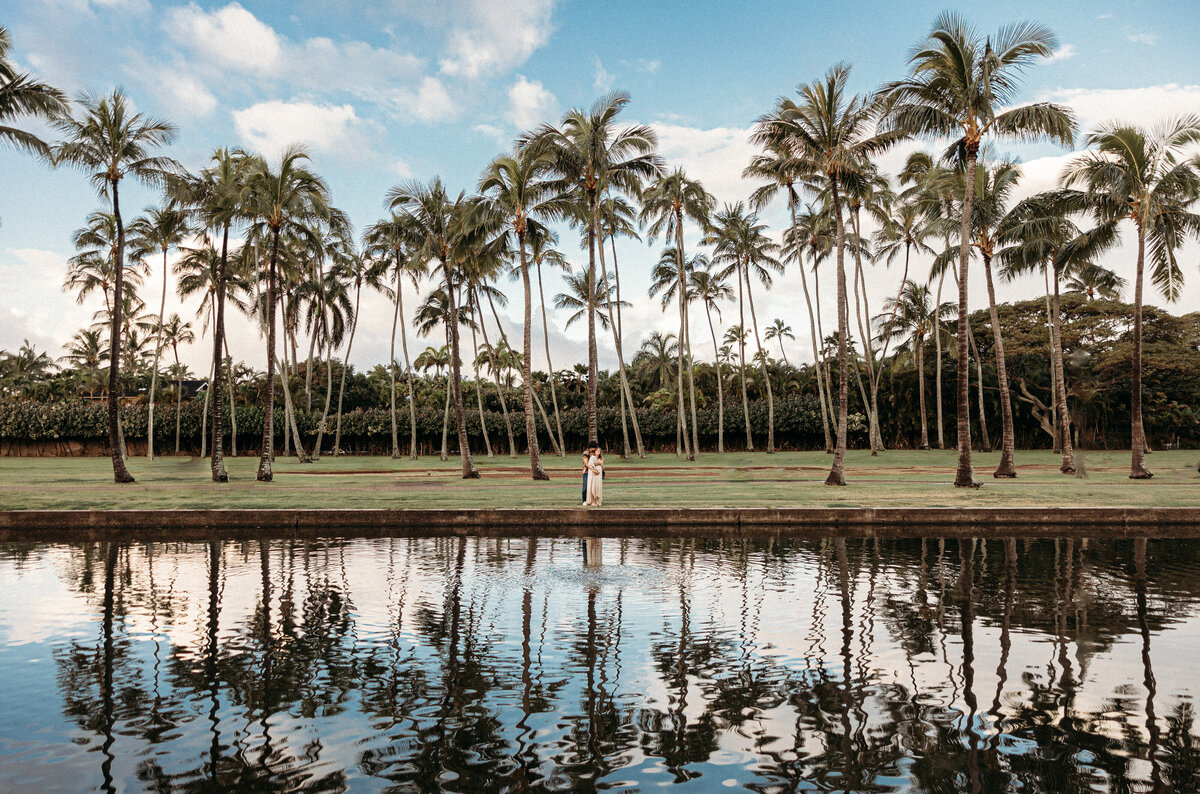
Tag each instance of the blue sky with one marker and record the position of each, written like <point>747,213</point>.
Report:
<point>391,90</point>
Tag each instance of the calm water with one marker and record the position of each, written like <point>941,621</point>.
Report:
<point>504,665</point>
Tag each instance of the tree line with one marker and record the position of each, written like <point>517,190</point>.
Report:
<point>266,239</point>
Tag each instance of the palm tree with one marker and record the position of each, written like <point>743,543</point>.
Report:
<point>86,352</point>
<point>390,238</point>
<point>741,244</point>
<point>176,332</point>
<point>576,299</point>
<point>112,142</point>
<point>710,288</point>
<point>657,355</point>
<point>278,201</point>
<point>21,96</point>
<point>965,87</point>
<point>666,202</point>
<point>160,229</point>
<point>442,233</point>
<point>618,217</point>
<point>664,283</point>
<point>516,191</point>
<point>591,158</point>
<point>435,358</point>
<point>811,231</point>
<point>780,330</point>
<point>910,316</point>
<point>1148,177</point>
<point>357,269</point>
<point>834,135</point>
<point>541,249</point>
<point>1095,281</point>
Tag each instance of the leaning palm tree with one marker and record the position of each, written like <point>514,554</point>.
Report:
<point>541,249</point>
<point>444,235</point>
<point>591,157</point>
<point>1152,178</point>
<point>280,200</point>
<point>965,87</point>
<point>22,96</point>
<point>390,239</point>
<point>665,284</point>
<point>666,203</point>
<point>358,270</point>
<point>160,229</point>
<point>516,191</point>
<point>176,332</point>
<point>835,135</point>
<point>112,142</point>
<point>619,218</point>
<point>710,288</point>
<point>909,316</point>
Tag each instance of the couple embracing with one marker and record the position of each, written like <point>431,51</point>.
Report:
<point>593,475</point>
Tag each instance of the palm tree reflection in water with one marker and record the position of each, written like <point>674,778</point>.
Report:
<point>473,664</point>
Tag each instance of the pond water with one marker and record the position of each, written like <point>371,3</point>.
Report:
<point>483,664</point>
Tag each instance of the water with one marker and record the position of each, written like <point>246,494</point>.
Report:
<point>477,664</point>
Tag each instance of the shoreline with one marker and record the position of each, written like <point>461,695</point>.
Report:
<point>715,522</point>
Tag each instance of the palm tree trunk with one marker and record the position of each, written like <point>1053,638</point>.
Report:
<point>742,356</point>
<point>512,444</point>
<point>549,363</point>
<point>985,441</point>
<point>837,473</point>
<point>218,429</point>
<point>637,431</point>
<point>1007,435</point>
<point>626,392</point>
<point>446,420</point>
<point>812,330</point>
<point>531,439</point>
<point>1060,384</point>
<point>268,443</point>
<point>232,404</point>
<point>392,361</point>
<point>178,396</point>
<point>546,421</point>
<point>964,477</point>
<point>593,226</point>
<point>204,414</point>
<point>1137,467</point>
<point>720,386</point>
<point>685,346</point>
<point>682,442</point>
<point>412,402</point>
<point>937,341</point>
<point>487,442</point>
<point>469,472</point>
<point>874,437</point>
<point>328,344</point>
<point>337,435</point>
<point>162,308</point>
<point>289,408</point>
<point>120,473</point>
<point>765,369</point>
<point>1057,435</point>
<point>312,346</point>
<point>921,390</point>
<point>822,362</point>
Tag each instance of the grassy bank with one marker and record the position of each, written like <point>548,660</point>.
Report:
<point>786,479</point>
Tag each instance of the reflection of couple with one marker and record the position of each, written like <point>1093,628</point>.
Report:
<point>593,475</point>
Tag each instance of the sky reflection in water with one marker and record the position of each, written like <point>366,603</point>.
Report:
<point>479,664</point>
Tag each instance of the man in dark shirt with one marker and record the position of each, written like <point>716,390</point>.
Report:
<point>587,456</point>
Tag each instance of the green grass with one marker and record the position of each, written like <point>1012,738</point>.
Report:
<point>785,479</point>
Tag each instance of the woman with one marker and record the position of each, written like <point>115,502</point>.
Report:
<point>595,480</point>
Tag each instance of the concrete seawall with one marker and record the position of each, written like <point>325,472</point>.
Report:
<point>81,525</point>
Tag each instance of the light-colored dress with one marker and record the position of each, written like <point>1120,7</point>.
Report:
<point>595,487</point>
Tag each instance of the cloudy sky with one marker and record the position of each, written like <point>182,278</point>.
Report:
<point>396,89</point>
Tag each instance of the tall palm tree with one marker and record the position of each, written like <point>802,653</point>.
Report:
<point>390,239</point>
<point>112,142</point>
<point>780,330</point>
<point>280,200</point>
<point>1151,178</point>
<point>666,203</point>
<point>712,290</point>
<point>618,217</point>
<point>86,352</point>
<point>358,270</point>
<point>176,332</point>
<point>740,243</point>
<point>590,158</point>
<point>541,249</point>
<point>442,232</point>
<point>516,191</point>
<point>812,231</point>
<point>835,135</point>
<point>433,312</point>
<point>576,300</point>
<point>160,229</point>
<point>22,96</point>
<point>664,283</point>
<point>965,87</point>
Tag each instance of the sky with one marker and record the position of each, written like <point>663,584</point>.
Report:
<point>402,89</point>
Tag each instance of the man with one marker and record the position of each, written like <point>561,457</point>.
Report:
<point>587,456</point>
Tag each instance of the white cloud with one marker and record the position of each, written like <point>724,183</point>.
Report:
<point>232,36</point>
<point>530,103</point>
<point>604,79</point>
<point>363,70</point>
<point>715,156</point>
<point>489,38</point>
<point>1143,38</point>
<point>182,94</point>
<point>402,168</point>
<point>270,127</point>
<point>1145,106</point>
<point>490,130</point>
<point>1063,53</point>
<point>649,66</point>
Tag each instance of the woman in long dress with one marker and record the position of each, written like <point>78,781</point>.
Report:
<point>595,487</point>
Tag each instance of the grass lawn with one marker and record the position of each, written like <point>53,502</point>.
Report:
<point>785,479</point>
